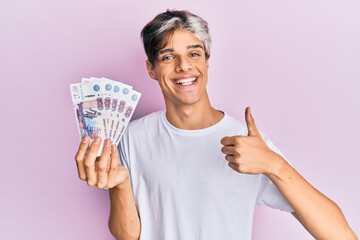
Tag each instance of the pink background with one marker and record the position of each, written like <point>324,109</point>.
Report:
<point>297,63</point>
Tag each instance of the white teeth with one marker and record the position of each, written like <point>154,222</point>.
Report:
<point>186,81</point>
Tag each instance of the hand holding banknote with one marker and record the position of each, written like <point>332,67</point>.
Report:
<point>103,109</point>
<point>105,171</point>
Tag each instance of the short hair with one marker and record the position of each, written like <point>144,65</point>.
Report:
<point>157,30</point>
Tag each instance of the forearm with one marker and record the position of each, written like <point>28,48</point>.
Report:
<point>124,222</point>
<point>319,215</point>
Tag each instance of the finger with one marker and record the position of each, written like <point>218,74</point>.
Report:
<point>80,156</point>
<point>228,150</point>
<point>103,165</point>
<point>90,161</point>
<point>114,167</point>
<point>233,166</point>
<point>250,123</point>
<point>108,163</point>
<point>228,141</point>
<point>114,162</point>
<point>230,158</point>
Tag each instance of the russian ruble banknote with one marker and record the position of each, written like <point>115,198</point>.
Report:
<point>103,107</point>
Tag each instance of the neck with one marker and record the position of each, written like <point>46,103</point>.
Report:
<point>193,116</point>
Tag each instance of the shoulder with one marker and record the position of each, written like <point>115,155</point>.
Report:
<point>141,129</point>
<point>146,125</point>
<point>149,119</point>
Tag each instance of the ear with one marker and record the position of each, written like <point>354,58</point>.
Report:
<point>150,70</point>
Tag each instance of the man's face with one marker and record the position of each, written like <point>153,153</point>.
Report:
<point>181,69</point>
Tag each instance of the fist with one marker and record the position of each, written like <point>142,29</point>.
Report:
<point>105,171</point>
<point>249,154</point>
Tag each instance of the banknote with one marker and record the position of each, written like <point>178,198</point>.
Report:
<point>87,108</point>
<point>99,86</point>
<point>103,107</point>
<point>125,110</point>
<point>114,99</point>
<point>114,94</point>
<point>119,99</point>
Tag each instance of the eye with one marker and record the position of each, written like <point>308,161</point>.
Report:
<point>194,54</point>
<point>167,58</point>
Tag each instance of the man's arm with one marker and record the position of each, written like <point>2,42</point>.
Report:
<point>107,172</point>
<point>124,222</point>
<point>322,218</point>
<point>319,215</point>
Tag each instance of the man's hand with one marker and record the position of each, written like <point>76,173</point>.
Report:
<point>105,171</point>
<point>249,154</point>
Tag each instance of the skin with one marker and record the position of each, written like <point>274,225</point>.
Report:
<point>183,57</point>
<point>188,107</point>
<point>107,172</point>
<point>320,216</point>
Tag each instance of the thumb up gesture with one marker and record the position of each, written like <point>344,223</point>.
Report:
<point>249,154</point>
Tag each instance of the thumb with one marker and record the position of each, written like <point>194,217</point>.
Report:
<point>250,123</point>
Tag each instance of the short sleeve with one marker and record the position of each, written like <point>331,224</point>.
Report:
<point>268,194</point>
<point>123,148</point>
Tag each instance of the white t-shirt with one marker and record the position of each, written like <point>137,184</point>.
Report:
<point>183,186</point>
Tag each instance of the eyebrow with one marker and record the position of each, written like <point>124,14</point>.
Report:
<point>167,50</point>
<point>195,46</point>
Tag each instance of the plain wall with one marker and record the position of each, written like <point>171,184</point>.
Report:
<point>296,63</point>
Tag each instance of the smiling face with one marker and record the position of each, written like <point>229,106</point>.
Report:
<point>181,70</point>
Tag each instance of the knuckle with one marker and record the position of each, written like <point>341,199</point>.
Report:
<point>101,167</point>
<point>237,151</point>
<point>78,157</point>
<point>83,146</point>
<point>237,155</point>
<point>113,168</point>
<point>88,164</point>
<point>89,169</point>
<point>94,148</point>
<point>115,165</point>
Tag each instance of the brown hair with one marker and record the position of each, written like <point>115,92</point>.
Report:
<point>157,30</point>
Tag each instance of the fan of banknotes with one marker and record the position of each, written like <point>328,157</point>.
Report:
<point>103,107</point>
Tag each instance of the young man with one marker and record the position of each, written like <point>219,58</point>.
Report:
<point>193,172</point>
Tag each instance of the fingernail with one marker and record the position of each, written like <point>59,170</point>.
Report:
<point>97,141</point>
<point>107,143</point>
<point>85,139</point>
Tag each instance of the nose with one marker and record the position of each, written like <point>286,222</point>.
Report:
<point>183,65</point>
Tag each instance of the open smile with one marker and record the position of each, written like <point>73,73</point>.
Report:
<point>186,81</point>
